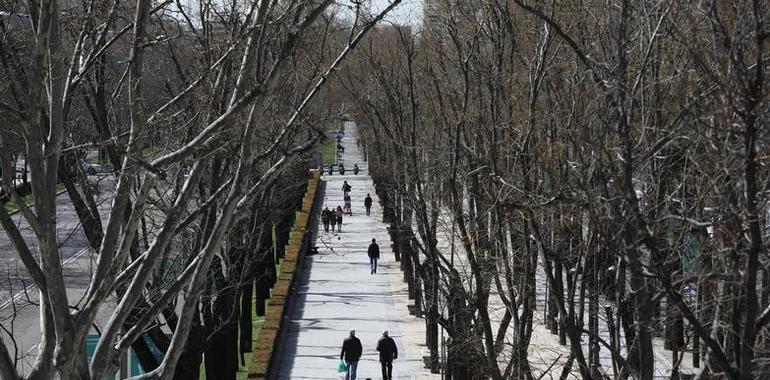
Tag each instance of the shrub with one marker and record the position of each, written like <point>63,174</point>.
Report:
<point>271,326</point>
<point>275,311</point>
<point>281,288</point>
<point>23,190</point>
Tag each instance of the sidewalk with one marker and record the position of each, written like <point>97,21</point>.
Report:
<point>337,293</point>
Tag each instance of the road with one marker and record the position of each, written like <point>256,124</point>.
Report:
<point>18,297</point>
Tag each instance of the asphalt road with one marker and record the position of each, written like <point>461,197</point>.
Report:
<point>71,239</point>
<point>19,314</point>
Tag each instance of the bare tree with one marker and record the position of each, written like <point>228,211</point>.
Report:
<point>244,55</point>
<point>602,156</point>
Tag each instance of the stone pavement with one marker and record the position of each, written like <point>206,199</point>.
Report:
<point>337,293</point>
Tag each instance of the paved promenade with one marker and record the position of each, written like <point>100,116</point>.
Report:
<point>337,293</point>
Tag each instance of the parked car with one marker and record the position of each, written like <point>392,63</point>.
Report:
<point>91,168</point>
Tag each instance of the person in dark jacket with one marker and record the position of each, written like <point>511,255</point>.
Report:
<point>374,254</point>
<point>346,188</point>
<point>388,352</point>
<point>338,216</point>
<point>351,353</point>
<point>333,219</point>
<point>326,218</point>
<point>355,169</point>
<point>368,204</point>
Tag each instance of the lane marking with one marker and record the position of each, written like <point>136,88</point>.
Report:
<point>26,289</point>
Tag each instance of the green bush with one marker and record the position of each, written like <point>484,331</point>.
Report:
<point>271,325</point>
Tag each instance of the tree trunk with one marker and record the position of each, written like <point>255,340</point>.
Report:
<point>245,317</point>
<point>189,364</point>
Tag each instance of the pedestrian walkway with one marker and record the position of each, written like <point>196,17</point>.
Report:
<point>337,293</point>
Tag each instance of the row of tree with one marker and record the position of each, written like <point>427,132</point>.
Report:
<point>612,154</point>
<point>204,113</point>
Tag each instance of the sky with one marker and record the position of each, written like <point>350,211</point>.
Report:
<point>408,12</point>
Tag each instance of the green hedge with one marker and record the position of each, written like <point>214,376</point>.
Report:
<point>266,342</point>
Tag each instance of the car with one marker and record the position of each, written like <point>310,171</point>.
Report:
<point>91,168</point>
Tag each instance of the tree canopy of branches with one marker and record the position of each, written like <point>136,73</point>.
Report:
<point>609,157</point>
<point>203,113</point>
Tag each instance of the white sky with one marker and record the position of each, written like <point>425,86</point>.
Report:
<point>408,12</point>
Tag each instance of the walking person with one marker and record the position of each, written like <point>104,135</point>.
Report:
<point>325,218</point>
<point>374,255</point>
<point>368,204</point>
<point>332,219</point>
<point>346,188</point>
<point>388,352</point>
<point>351,353</point>
<point>339,218</point>
<point>342,169</point>
<point>348,207</point>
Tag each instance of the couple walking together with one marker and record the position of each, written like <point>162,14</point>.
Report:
<point>352,350</point>
<point>333,218</point>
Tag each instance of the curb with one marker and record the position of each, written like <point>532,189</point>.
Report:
<point>12,213</point>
